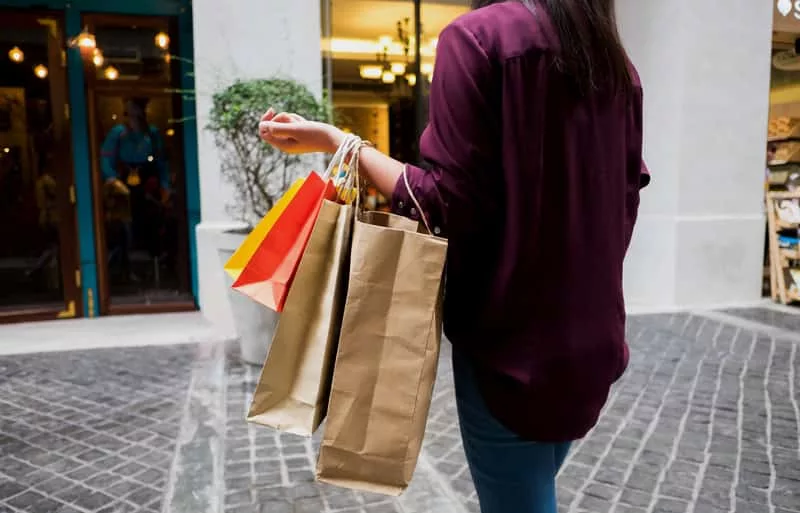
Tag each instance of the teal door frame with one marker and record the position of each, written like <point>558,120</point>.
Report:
<point>79,123</point>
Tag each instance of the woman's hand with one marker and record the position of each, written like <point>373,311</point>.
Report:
<point>292,133</point>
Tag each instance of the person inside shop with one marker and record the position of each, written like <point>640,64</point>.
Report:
<point>137,186</point>
<point>534,167</point>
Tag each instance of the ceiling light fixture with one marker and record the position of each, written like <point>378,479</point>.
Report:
<point>162,40</point>
<point>97,58</point>
<point>84,41</point>
<point>111,73</point>
<point>41,71</point>
<point>16,55</point>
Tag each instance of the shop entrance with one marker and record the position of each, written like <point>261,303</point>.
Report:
<point>137,166</point>
<point>39,272</point>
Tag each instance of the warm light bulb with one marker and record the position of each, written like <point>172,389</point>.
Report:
<point>412,80</point>
<point>385,41</point>
<point>162,40</point>
<point>398,68</point>
<point>86,40</point>
<point>40,71</point>
<point>170,132</point>
<point>98,59</point>
<point>6,150</point>
<point>370,72</point>
<point>427,68</point>
<point>111,73</point>
<point>16,55</point>
<point>388,77</point>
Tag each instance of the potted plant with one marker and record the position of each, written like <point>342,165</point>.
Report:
<point>259,175</point>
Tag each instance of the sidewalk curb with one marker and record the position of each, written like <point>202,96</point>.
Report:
<point>196,480</point>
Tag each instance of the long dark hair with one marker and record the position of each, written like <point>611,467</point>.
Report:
<point>591,50</point>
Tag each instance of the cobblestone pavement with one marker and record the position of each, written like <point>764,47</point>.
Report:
<point>269,472</point>
<point>90,431</point>
<point>770,317</point>
<point>706,420</point>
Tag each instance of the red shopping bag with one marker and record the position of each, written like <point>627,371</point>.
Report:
<point>268,275</point>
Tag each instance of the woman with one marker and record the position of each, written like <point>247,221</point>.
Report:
<point>535,150</point>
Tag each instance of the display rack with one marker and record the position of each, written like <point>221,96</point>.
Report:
<point>783,129</point>
<point>784,166</point>
<point>784,250</point>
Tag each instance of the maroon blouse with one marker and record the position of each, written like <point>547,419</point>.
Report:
<point>537,190</point>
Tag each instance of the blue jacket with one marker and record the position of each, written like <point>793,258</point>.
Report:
<point>134,148</point>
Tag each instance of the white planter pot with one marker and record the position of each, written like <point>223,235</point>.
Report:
<point>253,322</point>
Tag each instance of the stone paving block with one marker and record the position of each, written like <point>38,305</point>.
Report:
<point>621,508</point>
<point>594,504</point>
<point>666,505</point>
<point>69,453</point>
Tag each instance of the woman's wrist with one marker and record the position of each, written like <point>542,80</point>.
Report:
<point>335,139</point>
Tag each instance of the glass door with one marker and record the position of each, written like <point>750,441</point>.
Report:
<point>39,273</point>
<point>138,169</point>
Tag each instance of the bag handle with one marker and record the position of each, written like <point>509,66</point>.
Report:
<point>416,202</point>
<point>338,161</point>
<point>357,145</point>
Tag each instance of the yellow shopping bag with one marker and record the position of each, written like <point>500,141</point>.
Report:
<point>242,256</point>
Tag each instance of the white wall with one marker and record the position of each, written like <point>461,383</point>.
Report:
<point>241,40</point>
<point>705,68</point>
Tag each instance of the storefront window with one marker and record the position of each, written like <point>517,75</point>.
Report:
<point>38,263</point>
<point>138,167</point>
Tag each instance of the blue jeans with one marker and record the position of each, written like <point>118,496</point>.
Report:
<point>511,475</point>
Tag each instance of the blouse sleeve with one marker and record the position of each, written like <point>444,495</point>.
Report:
<point>457,144</point>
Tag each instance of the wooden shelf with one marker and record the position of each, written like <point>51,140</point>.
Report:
<point>781,258</point>
<point>790,254</point>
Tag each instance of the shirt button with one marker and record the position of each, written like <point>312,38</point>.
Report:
<point>401,205</point>
<point>413,211</point>
<point>436,230</point>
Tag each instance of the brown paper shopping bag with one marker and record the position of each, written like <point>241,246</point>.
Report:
<point>387,358</point>
<point>292,392</point>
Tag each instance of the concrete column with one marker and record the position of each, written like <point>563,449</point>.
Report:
<point>705,67</point>
<point>241,40</point>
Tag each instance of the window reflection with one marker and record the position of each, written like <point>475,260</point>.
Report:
<point>369,63</point>
<point>138,193</point>
<point>37,230</point>
<point>139,164</point>
<point>132,53</point>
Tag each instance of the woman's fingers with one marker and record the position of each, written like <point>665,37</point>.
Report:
<point>283,144</point>
<point>290,132</point>
<point>268,115</point>
<point>286,117</point>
